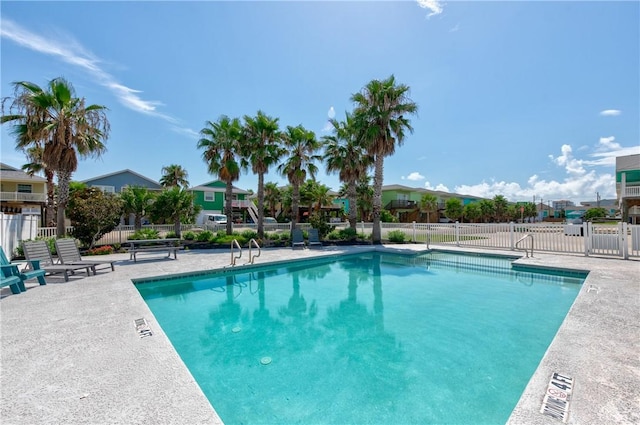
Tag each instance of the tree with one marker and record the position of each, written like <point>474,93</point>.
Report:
<point>381,107</point>
<point>174,175</point>
<point>595,213</point>
<point>453,209</point>
<point>301,144</point>
<point>93,213</point>
<point>429,203</point>
<point>63,124</point>
<point>136,200</point>
<point>36,165</point>
<point>500,204</point>
<point>365,197</point>
<point>487,209</point>
<point>222,144</point>
<point>272,197</point>
<point>345,155</point>
<point>472,211</point>
<point>175,205</point>
<point>261,150</point>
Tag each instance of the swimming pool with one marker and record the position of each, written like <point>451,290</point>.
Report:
<point>367,338</point>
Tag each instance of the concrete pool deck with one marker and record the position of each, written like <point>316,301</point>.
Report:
<point>70,352</point>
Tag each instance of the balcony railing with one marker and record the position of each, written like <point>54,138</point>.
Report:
<point>401,204</point>
<point>23,197</point>
<point>236,203</point>
<point>631,192</point>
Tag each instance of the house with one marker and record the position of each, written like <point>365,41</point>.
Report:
<point>211,197</point>
<point>404,202</point>
<point>628,187</point>
<point>21,193</point>
<point>115,182</point>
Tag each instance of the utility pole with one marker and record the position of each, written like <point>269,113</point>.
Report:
<point>598,199</point>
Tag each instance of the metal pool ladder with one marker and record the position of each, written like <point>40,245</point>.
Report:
<point>528,235</point>
<point>253,257</point>
<point>237,245</point>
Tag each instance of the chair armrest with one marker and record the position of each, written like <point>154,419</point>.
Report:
<point>13,269</point>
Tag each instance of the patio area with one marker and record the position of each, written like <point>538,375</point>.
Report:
<point>71,353</point>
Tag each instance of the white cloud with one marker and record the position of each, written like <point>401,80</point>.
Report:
<point>566,160</point>
<point>440,187</point>
<point>415,176</point>
<point>607,143</point>
<point>456,28</point>
<point>70,51</point>
<point>433,5</point>
<point>332,113</point>
<point>610,112</point>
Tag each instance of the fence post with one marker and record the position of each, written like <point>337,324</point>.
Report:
<point>414,232</point>
<point>587,230</point>
<point>120,233</point>
<point>622,240</point>
<point>512,236</point>
<point>457,232</point>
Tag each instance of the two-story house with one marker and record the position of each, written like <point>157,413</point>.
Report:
<point>628,187</point>
<point>211,197</point>
<point>115,182</point>
<point>21,193</point>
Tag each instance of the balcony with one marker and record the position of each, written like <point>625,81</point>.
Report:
<point>23,197</point>
<point>401,204</point>
<point>236,203</point>
<point>631,192</point>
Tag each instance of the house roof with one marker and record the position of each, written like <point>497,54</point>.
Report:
<point>9,173</point>
<point>435,192</point>
<point>121,172</point>
<point>204,188</point>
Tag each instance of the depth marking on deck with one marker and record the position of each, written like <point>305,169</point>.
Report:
<point>142,327</point>
<point>557,397</point>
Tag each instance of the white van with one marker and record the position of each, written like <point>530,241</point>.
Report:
<point>215,219</point>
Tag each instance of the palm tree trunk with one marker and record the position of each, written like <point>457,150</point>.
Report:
<point>295,205</point>
<point>50,209</point>
<point>228,206</point>
<point>260,205</point>
<point>64,177</point>
<point>376,233</point>
<point>352,196</point>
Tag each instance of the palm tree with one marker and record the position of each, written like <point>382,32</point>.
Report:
<point>175,205</point>
<point>261,150</point>
<point>136,200</point>
<point>344,154</point>
<point>174,175</point>
<point>429,203</point>
<point>487,208</point>
<point>61,122</point>
<point>34,154</point>
<point>365,197</point>
<point>500,203</point>
<point>221,142</point>
<point>272,197</point>
<point>301,144</point>
<point>380,112</point>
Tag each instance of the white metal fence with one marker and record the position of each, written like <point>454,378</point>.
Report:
<point>620,240</point>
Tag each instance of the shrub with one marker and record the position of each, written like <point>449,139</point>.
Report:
<point>204,236</point>
<point>316,220</point>
<point>334,235</point>
<point>146,233</point>
<point>387,217</point>
<point>189,236</point>
<point>171,235</point>
<point>348,234</point>
<point>396,236</point>
<point>101,250</point>
<point>249,234</point>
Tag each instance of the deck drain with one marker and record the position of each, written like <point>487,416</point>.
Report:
<point>265,360</point>
<point>142,327</point>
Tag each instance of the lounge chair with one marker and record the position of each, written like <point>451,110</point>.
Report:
<point>38,250</point>
<point>68,253</point>
<point>314,238</point>
<point>31,271</point>
<point>10,280</point>
<point>297,239</point>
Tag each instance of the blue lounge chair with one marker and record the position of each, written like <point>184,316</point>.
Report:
<point>314,238</point>
<point>297,239</point>
<point>32,271</point>
<point>10,280</point>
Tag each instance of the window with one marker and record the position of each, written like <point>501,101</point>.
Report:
<point>24,188</point>
<point>106,189</point>
<point>209,196</point>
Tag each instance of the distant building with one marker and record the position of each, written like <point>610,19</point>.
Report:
<point>21,193</point>
<point>115,182</point>
<point>628,187</point>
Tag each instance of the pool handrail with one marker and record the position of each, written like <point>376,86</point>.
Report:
<point>253,257</point>
<point>528,235</point>
<point>233,258</point>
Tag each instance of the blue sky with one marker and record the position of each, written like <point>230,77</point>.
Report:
<point>521,99</point>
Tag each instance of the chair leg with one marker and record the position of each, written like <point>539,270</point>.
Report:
<point>15,288</point>
<point>41,280</point>
<point>66,276</point>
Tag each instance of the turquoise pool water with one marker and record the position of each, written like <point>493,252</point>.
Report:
<point>365,339</point>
